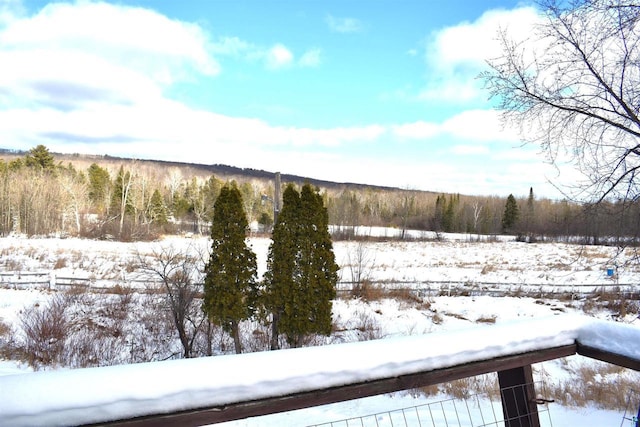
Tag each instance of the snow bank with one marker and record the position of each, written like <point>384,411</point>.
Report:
<point>95,395</point>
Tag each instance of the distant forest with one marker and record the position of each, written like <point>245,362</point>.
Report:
<point>43,194</point>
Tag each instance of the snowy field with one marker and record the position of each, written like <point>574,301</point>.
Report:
<point>459,259</point>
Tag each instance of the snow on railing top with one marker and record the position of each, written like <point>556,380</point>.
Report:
<point>94,395</point>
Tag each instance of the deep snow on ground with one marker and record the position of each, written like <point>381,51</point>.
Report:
<point>457,259</point>
<point>507,262</point>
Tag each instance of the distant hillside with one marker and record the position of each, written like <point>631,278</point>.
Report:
<point>224,172</point>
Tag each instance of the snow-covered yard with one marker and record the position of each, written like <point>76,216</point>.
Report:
<point>518,266</point>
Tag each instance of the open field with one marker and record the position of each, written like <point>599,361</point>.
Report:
<point>388,305</point>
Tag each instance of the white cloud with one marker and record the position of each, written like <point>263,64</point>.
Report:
<point>275,57</point>
<point>311,58</point>
<point>479,125</point>
<point>469,150</point>
<point>417,130</point>
<point>68,55</point>
<point>344,25</point>
<point>139,38</point>
<point>470,125</point>
<point>456,55</point>
<point>231,46</point>
<point>279,56</point>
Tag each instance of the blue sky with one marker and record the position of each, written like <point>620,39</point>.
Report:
<point>374,92</point>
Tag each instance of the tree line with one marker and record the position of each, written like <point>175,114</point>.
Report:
<point>136,200</point>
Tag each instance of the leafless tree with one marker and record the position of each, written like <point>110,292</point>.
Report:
<point>477,211</point>
<point>76,200</point>
<point>360,262</point>
<point>178,272</point>
<point>574,87</point>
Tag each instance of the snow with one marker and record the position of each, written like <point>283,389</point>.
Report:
<point>82,396</point>
<point>458,259</point>
<point>413,341</point>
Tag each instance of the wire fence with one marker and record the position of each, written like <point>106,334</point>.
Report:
<point>478,410</point>
<point>631,417</point>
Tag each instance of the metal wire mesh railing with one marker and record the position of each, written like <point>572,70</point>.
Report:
<point>478,410</point>
<point>631,417</point>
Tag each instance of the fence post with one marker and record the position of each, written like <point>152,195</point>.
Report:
<point>518,397</point>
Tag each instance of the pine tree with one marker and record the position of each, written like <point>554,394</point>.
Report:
<point>511,214</point>
<point>301,270</point>
<point>281,261</point>
<point>157,209</point>
<point>231,273</point>
<point>449,214</point>
<point>439,212</point>
<point>40,158</point>
<point>99,185</point>
<point>322,274</point>
<point>530,214</point>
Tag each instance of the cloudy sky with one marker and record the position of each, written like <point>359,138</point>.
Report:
<point>377,92</point>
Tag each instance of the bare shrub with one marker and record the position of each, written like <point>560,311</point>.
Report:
<point>366,326</point>
<point>86,348</point>
<point>426,391</point>
<point>7,340</point>
<point>612,299</point>
<point>12,264</point>
<point>488,269</point>
<point>5,329</point>
<point>437,318</point>
<point>595,383</point>
<point>45,332</point>
<point>121,290</point>
<point>486,319</point>
<point>257,336</point>
<point>463,388</point>
<point>75,293</point>
<point>132,265</point>
<point>61,262</point>
<point>360,263</point>
<point>152,337</point>
<point>367,291</point>
<point>405,295</point>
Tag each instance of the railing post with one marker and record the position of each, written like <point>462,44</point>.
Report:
<point>518,397</point>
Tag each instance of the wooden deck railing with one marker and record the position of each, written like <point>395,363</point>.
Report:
<point>340,372</point>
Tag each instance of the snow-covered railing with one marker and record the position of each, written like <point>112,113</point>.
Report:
<point>215,389</point>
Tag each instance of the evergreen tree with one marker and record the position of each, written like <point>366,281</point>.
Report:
<point>40,158</point>
<point>511,214</point>
<point>99,184</point>
<point>281,261</point>
<point>301,269</point>
<point>439,212</point>
<point>231,273</point>
<point>157,209</point>
<point>449,214</point>
<point>530,213</point>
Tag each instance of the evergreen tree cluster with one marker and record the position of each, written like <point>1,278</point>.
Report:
<point>301,276</point>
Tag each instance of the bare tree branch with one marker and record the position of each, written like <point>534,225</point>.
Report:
<point>574,88</point>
